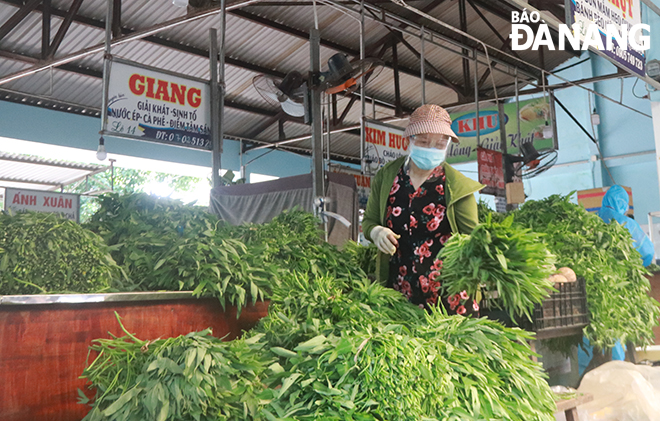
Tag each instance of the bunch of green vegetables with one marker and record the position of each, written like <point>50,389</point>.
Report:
<point>353,349</point>
<point>363,257</point>
<point>617,287</point>
<point>501,257</point>
<point>331,349</point>
<point>191,377</point>
<point>163,244</point>
<point>44,253</point>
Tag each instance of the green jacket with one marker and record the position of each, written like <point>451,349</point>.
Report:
<point>459,192</point>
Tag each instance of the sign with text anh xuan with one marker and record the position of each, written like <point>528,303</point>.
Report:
<point>383,143</point>
<point>534,115</point>
<point>66,205</point>
<point>153,105</point>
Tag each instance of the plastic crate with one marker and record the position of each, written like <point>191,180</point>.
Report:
<point>563,313</point>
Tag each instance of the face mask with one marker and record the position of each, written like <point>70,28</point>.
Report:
<point>427,158</point>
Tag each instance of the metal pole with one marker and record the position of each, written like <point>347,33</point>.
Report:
<point>221,82</point>
<point>517,107</point>
<point>362,93</point>
<point>317,131</point>
<point>215,109</point>
<point>421,65</point>
<point>240,157</point>
<point>106,65</point>
<point>476,96</point>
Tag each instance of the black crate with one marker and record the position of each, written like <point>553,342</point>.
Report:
<point>563,313</point>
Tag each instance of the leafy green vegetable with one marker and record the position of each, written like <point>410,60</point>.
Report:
<point>617,287</point>
<point>500,257</point>
<point>191,377</point>
<point>363,257</point>
<point>44,253</point>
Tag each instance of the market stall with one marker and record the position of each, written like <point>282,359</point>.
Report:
<point>332,341</point>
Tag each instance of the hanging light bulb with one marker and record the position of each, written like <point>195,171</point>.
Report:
<point>547,131</point>
<point>595,118</point>
<point>101,154</point>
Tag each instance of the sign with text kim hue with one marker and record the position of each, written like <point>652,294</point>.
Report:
<point>64,204</point>
<point>534,114</point>
<point>148,104</point>
<point>384,143</point>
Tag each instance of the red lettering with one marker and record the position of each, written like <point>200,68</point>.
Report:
<point>381,137</point>
<point>194,97</point>
<point>60,204</point>
<point>136,84</point>
<point>33,200</point>
<point>150,87</point>
<point>178,94</point>
<point>392,140</point>
<point>405,143</point>
<point>492,123</point>
<point>17,199</point>
<point>46,201</point>
<point>68,203</point>
<point>464,125</point>
<point>24,199</point>
<point>161,92</point>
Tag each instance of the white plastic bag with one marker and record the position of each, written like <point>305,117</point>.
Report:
<point>622,391</point>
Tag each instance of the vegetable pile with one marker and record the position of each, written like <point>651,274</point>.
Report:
<point>617,288</point>
<point>330,349</point>
<point>45,253</point>
<point>501,257</point>
<point>163,244</point>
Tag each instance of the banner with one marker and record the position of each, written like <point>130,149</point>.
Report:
<point>535,114</point>
<point>491,172</point>
<point>615,12</point>
<point>149,104</point>
<point>384,143</point>
<point>592,199</point>
<point>66,205</point>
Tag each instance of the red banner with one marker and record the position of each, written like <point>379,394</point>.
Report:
<point>490,171</point>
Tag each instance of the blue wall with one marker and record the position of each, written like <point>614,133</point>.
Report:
<point>59,128</point>
<point>621,132</point>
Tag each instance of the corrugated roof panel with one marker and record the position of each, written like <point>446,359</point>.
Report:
<point>47,173</point>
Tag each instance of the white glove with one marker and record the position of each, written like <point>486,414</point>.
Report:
<point>385,239</point>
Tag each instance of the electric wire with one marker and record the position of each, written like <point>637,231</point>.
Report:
<point>602,158</point>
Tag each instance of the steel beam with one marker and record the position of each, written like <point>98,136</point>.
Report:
<point>45,29</point>
<point>505,42</point>
<point>324,42</point>
<point>185,48</point>
<point>462,17</point>
<point>18,17</point>
<point>116,19</point>
<point>397,87</point>
<point>64,27</point>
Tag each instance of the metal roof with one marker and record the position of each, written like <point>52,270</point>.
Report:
<point>268,37</point>
<point>29,172</point>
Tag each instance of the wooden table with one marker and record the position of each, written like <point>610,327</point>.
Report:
<point>569,406</point>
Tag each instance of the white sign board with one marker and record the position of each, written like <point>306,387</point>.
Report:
<point>152,105</point>
<point>384,143</point>
<point>601,13</point>
<point>66,205</point>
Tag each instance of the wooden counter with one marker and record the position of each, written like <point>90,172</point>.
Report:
<point>43,346</point>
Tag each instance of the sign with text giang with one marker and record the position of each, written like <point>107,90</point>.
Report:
<point>157,106</point>
<point>534,115</point>
<point>66,205</point>
<point>383,143</point>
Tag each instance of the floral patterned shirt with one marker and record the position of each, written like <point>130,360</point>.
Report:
<point>419,217</point>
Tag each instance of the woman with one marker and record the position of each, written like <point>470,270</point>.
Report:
<point>416,203</point>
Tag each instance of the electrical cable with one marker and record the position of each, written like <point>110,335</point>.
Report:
<point>633,90</point>
<point>593,131</point>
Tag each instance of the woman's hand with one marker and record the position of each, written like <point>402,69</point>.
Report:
<point>385,239</point>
